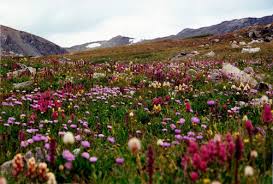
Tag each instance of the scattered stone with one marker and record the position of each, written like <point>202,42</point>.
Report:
<point>183,54</point>
<point>262,87</point>
<point>260,77</point>
<point>210,54</point>
<point>254,34</point>
<point>6,167</point>
<point>249,70</point>
<point>235,46</point>
<point>39,155</point>
<point>255,41</point>
<point>268,38</point>
<point>191,72</point>
<point>242,43</point>
<point>28,155</point>
<point>216,40</point>
<point>26,71</point>
<point>22,84</point>
<point>237,75</point>
<point>215,75</point>
<point>251,50</point>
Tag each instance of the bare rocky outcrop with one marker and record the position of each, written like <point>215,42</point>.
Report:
<point>238,75</point>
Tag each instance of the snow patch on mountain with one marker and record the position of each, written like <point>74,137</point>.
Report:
<point>93,45</point>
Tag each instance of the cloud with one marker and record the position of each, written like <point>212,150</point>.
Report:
<point>70,22</point>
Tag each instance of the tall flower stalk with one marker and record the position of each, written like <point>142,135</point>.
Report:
<point>150,164</point>
<point>238,156</point>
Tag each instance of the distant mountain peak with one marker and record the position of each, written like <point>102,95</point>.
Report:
<point>20,43</point>
<point>118,40</point>
<point>224,27</point>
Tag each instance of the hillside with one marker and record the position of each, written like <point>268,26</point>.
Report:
<point>15,42</point>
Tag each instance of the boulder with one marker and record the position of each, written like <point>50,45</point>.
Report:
<point>251,50</point>
<point>262,87</point>
<point>268,38</point>
<point>39,154</point>
<point>28,155</point>
<point>6,167</point>
<point>22,84</point>
<point>235,46</point>
<point>210,54</point>
<point>215,75</point>
<point>238,75</point>
<point>31,70</point>
<point>242,43</point>
<point>185,54</point>
<point>249,70</point>
<point>191,72</point>
<point>254,34</point>
<point>255,41</point>
<point>216,40</point>
<point>26,71</point>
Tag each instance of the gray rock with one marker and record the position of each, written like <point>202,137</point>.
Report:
<point>242,43</point>
<point>249,70</point>
<point>191,72</point>
<point>260,77</point>
<point>185,54</point>
<point>251,50</point>
<point>254,34</point>
<point>6,167</point>
<point>215,75</point>
<point>268,39</point>
<point>235,46</point>
<point>28,155</point>
<point>238,75</point>
<point>210,54</point>
<point>39,154</point>
<point>22,84</point>
<point>216,40</point>
<point>262,86</point>
<point>255,41</point>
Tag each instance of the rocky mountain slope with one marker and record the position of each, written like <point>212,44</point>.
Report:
<point>113,42</point>
<point>20,43</point>
<point>221,28</point>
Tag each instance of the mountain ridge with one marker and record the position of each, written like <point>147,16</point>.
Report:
<point>21,43</point>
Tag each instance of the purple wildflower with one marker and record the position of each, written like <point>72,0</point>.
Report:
<point>85,155</point>
<point>85,144</point>
<point>119,161</point>
<point>93,159</point>
<point>67,155</point>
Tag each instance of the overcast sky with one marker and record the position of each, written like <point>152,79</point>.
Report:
<point>70,22</point>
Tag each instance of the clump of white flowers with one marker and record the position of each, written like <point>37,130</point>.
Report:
<point>99,75</point>
<point>68,138</point>
<point>166,84</point>
<point>264,99</point>
<point>134,145</point>
<point>215,182</point>
<point>155,84</point>
<point>131,114</point>
<point>51,178</point>
<point>159,142</point>
<point>249,171</point>
<point>3,180</point>
<point>254,154</point>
